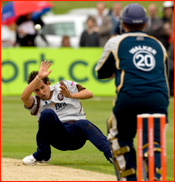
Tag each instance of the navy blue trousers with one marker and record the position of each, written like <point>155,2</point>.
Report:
<point>126,109</point>
<point>67,136</point>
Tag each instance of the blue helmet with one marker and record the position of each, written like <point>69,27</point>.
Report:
<point>134,14</point>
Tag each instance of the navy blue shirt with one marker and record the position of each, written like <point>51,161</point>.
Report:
<point>139,62</point>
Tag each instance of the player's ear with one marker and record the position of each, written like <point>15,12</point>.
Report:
<point>144,25</point>
<point>124,27</point>
<point>48,83</point>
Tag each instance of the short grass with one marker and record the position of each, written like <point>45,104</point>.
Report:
<point>19,128</point>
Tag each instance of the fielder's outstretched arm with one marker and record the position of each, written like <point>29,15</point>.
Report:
<point>26,95</point>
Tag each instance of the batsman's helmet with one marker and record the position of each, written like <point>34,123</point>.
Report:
<point>134,14</point>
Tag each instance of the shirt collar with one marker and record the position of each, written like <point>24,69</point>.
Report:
<point>52,87</point>
<point>136,31</point>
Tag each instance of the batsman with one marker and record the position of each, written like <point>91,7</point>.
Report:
<point>138,63</point>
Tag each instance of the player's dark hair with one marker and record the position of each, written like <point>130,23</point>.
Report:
<point>33,74</point>
<point>132,27</point>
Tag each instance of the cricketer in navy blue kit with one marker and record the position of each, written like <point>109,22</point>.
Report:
<point>62,120</point>
<point>138,63</point>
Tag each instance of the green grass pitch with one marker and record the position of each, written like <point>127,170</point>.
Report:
<point>19,128</point>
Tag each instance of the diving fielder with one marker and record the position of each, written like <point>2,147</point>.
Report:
<point>62,121</point>
<point>138,63</point>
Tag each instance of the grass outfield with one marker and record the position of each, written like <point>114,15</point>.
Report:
<point>19,128</point>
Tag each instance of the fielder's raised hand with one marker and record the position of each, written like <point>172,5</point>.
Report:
<point>43,71</point>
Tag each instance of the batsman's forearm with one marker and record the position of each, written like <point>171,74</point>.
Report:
<point>84,94</point>
<point>29,89</point>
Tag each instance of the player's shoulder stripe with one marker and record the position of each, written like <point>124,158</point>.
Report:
<point>62,83</point>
